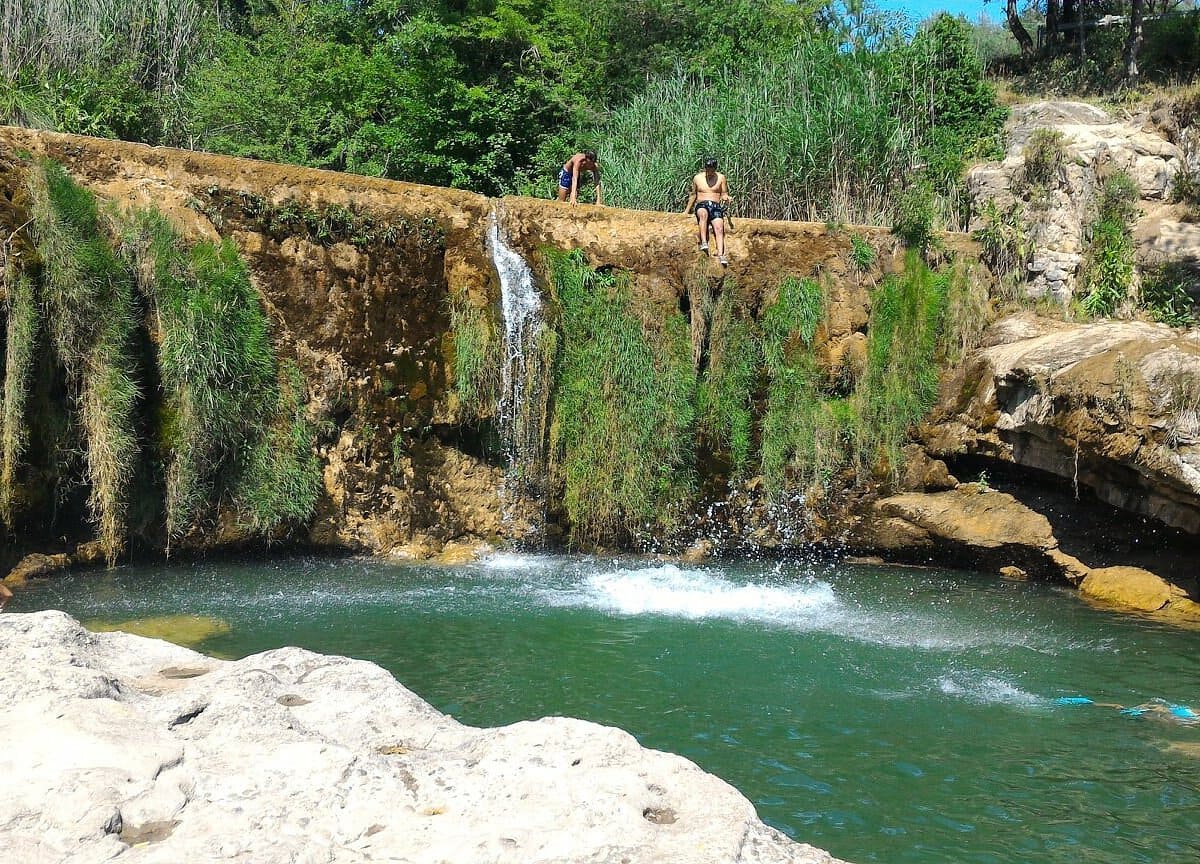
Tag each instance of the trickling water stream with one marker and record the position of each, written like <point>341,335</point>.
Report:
<point>524,373</point>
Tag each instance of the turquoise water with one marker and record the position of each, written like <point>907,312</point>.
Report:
<point>885,714</point>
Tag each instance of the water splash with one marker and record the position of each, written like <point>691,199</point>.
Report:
<point>522,409</point>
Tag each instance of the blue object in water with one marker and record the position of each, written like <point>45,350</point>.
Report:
<point>1073,700</point>
<point>1133,712</point>
<point>1183,712</point>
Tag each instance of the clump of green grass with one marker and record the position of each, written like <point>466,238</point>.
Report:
<point>901,379</point>
<point>725,395</point>
<point>215,358</point>
<point>88,305</point>
<point>278,478</point>
<point>478,356</point>
<point>621,438</point>
<point>1108,268</point>
<point>20,345</point>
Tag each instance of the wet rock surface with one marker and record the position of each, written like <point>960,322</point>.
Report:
<point>117,746</point>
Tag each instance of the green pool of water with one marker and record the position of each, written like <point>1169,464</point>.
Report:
<point>885,714</point>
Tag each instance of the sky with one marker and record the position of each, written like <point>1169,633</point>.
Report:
<point>921,9</point>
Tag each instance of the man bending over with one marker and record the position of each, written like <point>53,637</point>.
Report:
<point>568,177</point>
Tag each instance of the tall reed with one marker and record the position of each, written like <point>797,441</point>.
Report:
<point>20,346</point>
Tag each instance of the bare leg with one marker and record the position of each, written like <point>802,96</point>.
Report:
<point>718,225</point>
<point>562,192</point>
<point>702,226</point>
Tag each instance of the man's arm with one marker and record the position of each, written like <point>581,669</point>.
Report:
<point>599,188</point>
<point>725,199</point>
<point>574,181</point>
<point>691,202</point>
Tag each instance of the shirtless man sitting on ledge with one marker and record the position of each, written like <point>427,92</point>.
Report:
<point>707,202</point>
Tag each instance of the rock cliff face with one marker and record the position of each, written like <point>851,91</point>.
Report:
<point>118,745</point>
<point>404,467</point>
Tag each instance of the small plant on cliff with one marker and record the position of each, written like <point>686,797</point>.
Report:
<point>1045,155</point>
<point>215,358</point>
<point>20,345</point>
<point>1005,246</point>
<point>478,356</point>
<point>621,440</point>
<point>862,253</point>
<point>725,394</point>
<point>87,298</point>
<point>1108,269</point>
<point>278,478</point>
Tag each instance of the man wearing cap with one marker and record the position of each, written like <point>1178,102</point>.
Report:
<point>707,203</point>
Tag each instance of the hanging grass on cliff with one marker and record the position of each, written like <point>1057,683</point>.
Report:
<point>478,356</point>
<point>215,359</point>
<point>88,305</point>
<point>811,431</point>
<point>725,396</point>
<point>20,345</point>
<point>621,438</point>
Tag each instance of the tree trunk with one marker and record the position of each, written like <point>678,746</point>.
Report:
<point>1052,36</point>
<point>1133,42</point>
<point>1018,29</point>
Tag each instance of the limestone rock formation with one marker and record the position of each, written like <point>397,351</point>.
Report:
<point>971,525</point>
<point>1137,589</point>
<point>121,746</point>
<point>1111,407</point>
<point>1057,213</point>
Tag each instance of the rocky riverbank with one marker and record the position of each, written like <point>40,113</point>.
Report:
<point>121,747</point>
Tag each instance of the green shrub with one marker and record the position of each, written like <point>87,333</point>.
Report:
<point>622,433</point>
<point>1004,245</point>
<point>1168,295</point>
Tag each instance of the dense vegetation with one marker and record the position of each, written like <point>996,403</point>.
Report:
<point>813,112</point>
<point>633,413</point>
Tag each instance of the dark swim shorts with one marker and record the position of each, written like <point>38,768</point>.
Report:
<point>564,178</point>
<point>715,210</point>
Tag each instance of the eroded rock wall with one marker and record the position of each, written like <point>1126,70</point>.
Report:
<point>405,467</point>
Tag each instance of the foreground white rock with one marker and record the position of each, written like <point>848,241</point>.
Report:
<point>117,746</point>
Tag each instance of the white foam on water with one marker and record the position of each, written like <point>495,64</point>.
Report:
<point>689,593</point>
<point>508,561</point>
<point>986,689</point>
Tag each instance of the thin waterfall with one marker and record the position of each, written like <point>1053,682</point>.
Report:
<point>521,412</point>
